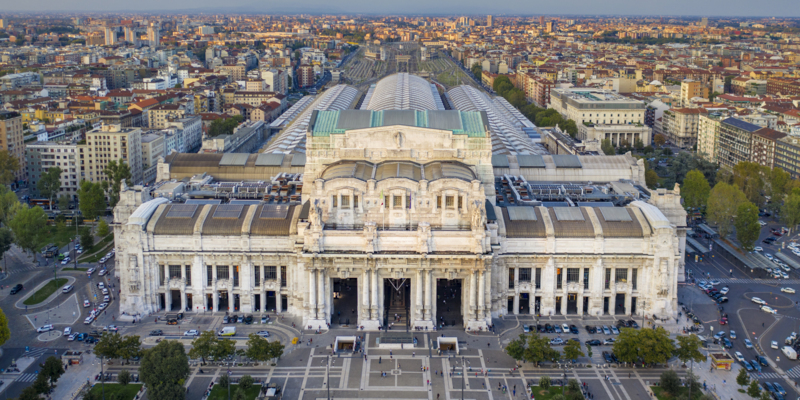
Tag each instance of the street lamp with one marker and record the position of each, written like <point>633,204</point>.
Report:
<point>328,374</point>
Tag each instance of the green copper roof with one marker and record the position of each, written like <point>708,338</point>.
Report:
<point>472,124</point>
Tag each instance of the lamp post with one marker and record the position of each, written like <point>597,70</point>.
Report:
<point>328,374</point>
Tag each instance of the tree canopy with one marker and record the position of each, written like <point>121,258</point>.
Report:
<point>49,184</point>
<point>723,202</point>
<point>5,333</point>
<point>117,171</point>
<point>9,165</point>
<point>747,227</point>
<point>222,126</point>
<point>28,224</point>
<point>647,345</point>
<point>163,370</point>
<point>695,190</point>
<point>92,199</point>
<point>688,349</point>
<point>790,213</point>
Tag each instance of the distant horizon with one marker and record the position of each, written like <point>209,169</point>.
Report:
<point>512,8</point>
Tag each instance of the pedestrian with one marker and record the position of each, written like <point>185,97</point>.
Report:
<point>380,359</point>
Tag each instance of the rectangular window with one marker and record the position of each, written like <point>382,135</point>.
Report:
<point>634,278</point>
<point>270,273</point>
<point>283,276</point>
<point>511,278</point>
<point>335,201</point>
<point>257,270</point>
<point>355,201</point>
<point>188,274</point>
<point>449,202</point>
<point>621,275</point>
<point>559,283</point>
<point>209,275</point>
<point>408,202</point>
<point>235,276</point>
<point>174,271</point>
<point>538,278</point>
<point>223,272</point>
<point>573,274</point>
<point>586,278</point>
<point>161,275</point>
<point>345,201</point>
<point>397,201</point>
<point>438,201</point>
<point>524,274</point>
<point>608,278</point>
<point>459,202</point>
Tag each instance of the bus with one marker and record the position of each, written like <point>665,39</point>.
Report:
<point>40,202</point>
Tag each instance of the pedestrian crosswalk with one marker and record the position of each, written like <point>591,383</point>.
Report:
<point>26,378</point>
<point>725,281</point>
<point>765,375</point>
<point>794,372</point>
<point>37,351</point>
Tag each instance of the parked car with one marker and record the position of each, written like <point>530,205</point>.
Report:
<point>67,331</point>
<point>606,330</point>
<point>609,341</point>
<point>556,342</point>
<point>86,303</point>
<point>16,289</point>
<point>614,330</point>
<point>633,324</point>
<point>526,328</point>
<point>191,332</point>
<point>46,328</point>
<point>157,332</point>
<point>67,289</point>
<point>262,333</point>
<point>769,309</point>
<point>573,329</point>
<point>787,290</point>
<point>594,342</point>
<point>90,271</point>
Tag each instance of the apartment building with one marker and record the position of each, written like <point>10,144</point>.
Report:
<point>763,146</point>
<point>277,80</point>
<point>11,139</point>
<point>787,155</point>
<point>235,72</point>
<point>153,146</point>
<point>305,75</point>
<point>111,142</point>
<point>537,89</point>
<point>158,117</point>
<point>189,131</point>
<point>690,89</point>
<point>735,142</point>
<point>680,126</point>
<point>41,156</point>
<point>707,135</point>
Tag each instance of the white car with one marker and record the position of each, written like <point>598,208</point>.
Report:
<point>787,290</point>
<point>769,256</point>
<point>46,328</point>
<point>88,320</point>
<point>102,306</point>
<point>103,260</point>
<point>191,332</point>
<point>759,249</point>
<point>105,291</point>
<point>724,290</point>
<point>733,335</point>
<point>784,275</point>
<point>90,271</point>
<point>762,223</point>
<point>565,328</point>
<point>739,357</point>
<point>103,272</point>
<point>101,285</point>
<point>67,331</point>
<point>715,282</point>
<point>79,251</point>
<point>106,299</point>
<point>786,267</point>
<point>67,289</point>
<point>71,338</point>
<point>773,344</point>
<point>758,301</point>
<point>769,309</point>
<point>111,328</point>
<point>86,303</point>
<point>65,261</point>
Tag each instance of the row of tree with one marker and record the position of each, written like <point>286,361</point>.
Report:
<point>541,117</point>
<point>51,370</point>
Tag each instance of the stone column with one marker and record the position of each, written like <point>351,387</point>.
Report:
<point>365,291</point>
<point>374,306</point>
<point>167,299</point>
<point>321,293</point>
<point>312,294</point>
<point>418,304</point>
<point>215,299</point>
<point>487,293</point>
<point>183,299</point>
<point>481,293</point>
<point>263,298</point>
<point>473,306</point>
<point>429,313</point>
<point>278,294</point>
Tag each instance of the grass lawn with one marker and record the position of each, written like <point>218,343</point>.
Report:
<point>55,234</point>
<point>548,394</point>
<point>660,395</point>
<point>127,392</point>
<point>98,250</point>
<point>45,292</point>
<point>218,393</point>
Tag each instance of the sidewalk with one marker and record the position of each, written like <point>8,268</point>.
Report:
<point>76,376</point>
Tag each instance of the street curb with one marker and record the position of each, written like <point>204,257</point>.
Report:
<point>70,280</point>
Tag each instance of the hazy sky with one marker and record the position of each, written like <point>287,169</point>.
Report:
<point>777,8</point>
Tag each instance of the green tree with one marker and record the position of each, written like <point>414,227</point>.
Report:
<point>258,348</point>
<point>87,238</point>
<point>572,350</point>
<point>545,382</point>
<point>688,349</point>
<point>203,346</point>
<point>276,350</point>
<point>659,139</point>
<point>723,202</point>
<point>124,377</point>
<point>52,370</point>
<point>30,393</point>
<point>638,144</point>
<point>538,349</point>
<point>749,177</point>
<point>40,384</point>
<point>477,70</point>
<point>222,126</point>
<point>5,333</point>
<point>6,240</point>
<point>569,127</point>
<point>589,351</point>
<point>516,349</point>
<point>649,345</point>
<point>695,190</point>
<point>116,173</point>
<point>131,347</point>
<point>573,385</point>
<point>102,228</point>
<point>754,390</point>
<point>747,226</point>
<point>790,213</point>
<point>779,182</point>
<point>765,395</point>
<point>9,165</point>
<point>92,199</point>
<point>109,345</point>
<point>607,147</point>
<point>163,370</point>
<point>245,382</point>
<point>8,204</point>
<point>224,381</point>
<point>650,178</point>
<point>224,348</point>
<point>63,202</point>
<point>670,382</point>
<point>49,184</point>
<point>238,394</point>
<point>743,379</point>
<point>28,225</point>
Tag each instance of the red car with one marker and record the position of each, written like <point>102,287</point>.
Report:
<point>723,321</point>
<point>777,234</point>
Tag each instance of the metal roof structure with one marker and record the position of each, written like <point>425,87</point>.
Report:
<point>566,161</point>
<point>364,170</point>
<point>529,161</point>
<point>238,159</point>
<point>521,213</point>
<point>737,123</point>
<point>402,92</point>
<point>615,214</point>
<point>788,260</point>
<point>697,245</point>
<point>326,123</point>
<point>272,159</point>
<point>568,213</point>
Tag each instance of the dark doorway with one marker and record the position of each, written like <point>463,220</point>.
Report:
<point>271,301</point>
<point>284,303</point>
<point>605,305</point>
<point>396,303</point>
<point>572,303</point>
<point>162,303</point>
<point>619,304</point>
<point>236,303</point>
<point>448,303</point>
<point>256,302</point>
<point>585,305</point>
<point>511,305</point>
<point>558,306</point>
<point>524,303</point>
<point>537,303</point>
<point>633,305</point>
<point>345,302</point>
<point>222,304</point>
<point>209,302</point>
<point>189,304</point>
<point>175,300</point>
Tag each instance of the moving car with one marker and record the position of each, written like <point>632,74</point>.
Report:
<point>65,261</point>
<point>733,334</point>
<point>769,309</point>
<point>758,301</point>
<point>556,342</point>
<point>86,303</point>
<point>748,344</point>
<point>72,337</point>
<point>46,328</point>
<point>157,332</point>
<point>773,344</point>
<point>738,356</point>
<point>16,289</point>
<point>103,272</point>
<point>90,271</point>
<point>755,365</point>
<point>715,282</point>
<point>111,328</point>
<point>191,332</point>
<point>262,333</point>
<point>67,289</point>
<point>787,290</point>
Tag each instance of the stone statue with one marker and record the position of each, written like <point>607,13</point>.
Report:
<point>478,216</point>
<point>664,277</point>
<point>398,138</point>
<point>423,237</point>
<point>315,215</point>
<point>370,229</point>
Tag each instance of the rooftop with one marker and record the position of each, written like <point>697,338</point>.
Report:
<point>473,124</point>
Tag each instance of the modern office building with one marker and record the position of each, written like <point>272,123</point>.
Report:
<point>41,156</point>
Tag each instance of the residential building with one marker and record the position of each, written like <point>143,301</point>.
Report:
<point>41,156</point>
<point>159,116</point>
<point>763,146</point>
<point>111,36</point>
<point>111,143</point>
<point>277,80</point>
<point>787,155</point>
<point>12,140</point>
<point>305,75</point>
<point>154,36</point>
<point>245,139</point>
<point>735,142</point>
<point>690,89</point>
<point>680,126</point>
<point>190,133</point>
<point>707,135</point>
<point>153,147</point>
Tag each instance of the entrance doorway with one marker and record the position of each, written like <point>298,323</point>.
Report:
<point>175,300</point>
<point>605,305</point>
<point>524,303</point>
<point>558,305</point>
<point>345,302</point>
<point>619,304</point>
<point>396,303</point>
<point>572,303</point>
<point>510,305</point>
<point>448,303</point>
<point>257,302</point>
<point>537,304</point>
<point>162,301</point>
<point>271,300</point>
<point>189,305</point>
<point>585,305</point>
<point>222,304</point>
<point>633,305</point>
<point>236,303</point>
<point>209,302</point>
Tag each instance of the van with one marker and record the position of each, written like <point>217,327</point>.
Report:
<point>789,352</point>
<point>227,331</point>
